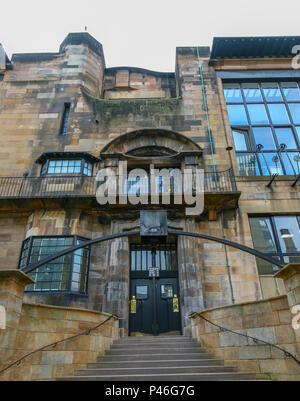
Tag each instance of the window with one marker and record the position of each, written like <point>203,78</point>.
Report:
<point>264,116</point>
<point>65,119</point>
<point>144,257</point>
<point>61,166</point>
<point>68,273</point>
<point>141,292</point>
<point>277,236</point>
<point>141,184</point>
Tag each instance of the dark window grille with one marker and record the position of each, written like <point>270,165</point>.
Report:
<point>278,237</point>
<point>68,273</point>
<point>65,119</point>
<point>162,256</point>
<point>264,116</point>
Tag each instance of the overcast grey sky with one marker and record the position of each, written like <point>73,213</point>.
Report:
<point>141,33</point>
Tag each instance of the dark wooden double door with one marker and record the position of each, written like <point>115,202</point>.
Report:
<point>156,312</point>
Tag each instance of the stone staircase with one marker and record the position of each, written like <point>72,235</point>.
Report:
<point>163,358</point>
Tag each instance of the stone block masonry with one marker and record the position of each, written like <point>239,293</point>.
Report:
<point>32,326</point>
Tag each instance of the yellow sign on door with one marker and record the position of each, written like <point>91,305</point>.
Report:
<point>133,305</point>
<point>175,304</point>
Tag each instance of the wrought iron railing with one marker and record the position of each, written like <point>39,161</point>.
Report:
<point>254,339</point>
<point>52,345</point>
<point>84,186</point>
<point>268,163</point>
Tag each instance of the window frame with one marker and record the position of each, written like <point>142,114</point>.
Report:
<point>294,127</point>
<point>45,167</point>
<point>64,125</point>
<point>75,240</point>
<point>279,254</point>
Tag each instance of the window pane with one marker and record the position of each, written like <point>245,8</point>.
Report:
<point>263,136</point>
<point>295,112</point>
<point>270,164</point>
<point>166,290</point>
<point>298,133</point>
<point>278,114</point>
<point>258,114</point>
<point>247,164</point>
<point>291,91</point>
<point>237,115</point>
<point>262,234</point>
<point>272,92</point>
<point>141,292</point>
<point>232,94</point>
<point>252,93</point>
<point>240,139</point>
<point>285,136</point>
<point>291,259</point>
<point>288,232</point>
<point>291,159</point>
<point>265,267</point>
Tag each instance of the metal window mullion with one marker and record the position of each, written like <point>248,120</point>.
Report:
<point>87,272</point>
<point>250,130</point>
<point>292,124</point>
<point>276,237</point>
<point>72,263</point>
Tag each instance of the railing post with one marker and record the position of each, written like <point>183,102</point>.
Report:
<point>25,175</point>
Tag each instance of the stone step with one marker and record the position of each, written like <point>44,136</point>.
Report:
<point>157,338</point>
<point>154,350</point>
<point>161,363</point>
<point>141,338</point>
<point>155,370</point>
<point>166,377</point>
<point>154,357</point>
<point>135,346</point>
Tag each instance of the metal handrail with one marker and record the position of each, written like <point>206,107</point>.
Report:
<point>255,340</point>
<point>254,163</point>
<point>86,332</point>
<point>84,186</point>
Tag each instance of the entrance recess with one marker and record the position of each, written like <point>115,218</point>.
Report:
<point>154,292</point>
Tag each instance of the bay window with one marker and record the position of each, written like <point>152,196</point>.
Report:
<point>68,273</point>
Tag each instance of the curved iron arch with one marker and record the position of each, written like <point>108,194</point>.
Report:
<point>223,241</point>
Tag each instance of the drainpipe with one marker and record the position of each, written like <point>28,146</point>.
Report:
<point>227,263</point>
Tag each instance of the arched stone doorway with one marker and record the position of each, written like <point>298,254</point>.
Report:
<point>125,276</point>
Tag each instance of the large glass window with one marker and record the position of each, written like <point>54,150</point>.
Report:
<point>68,273</point>
<point>277,236</point>
<point>264,116</point>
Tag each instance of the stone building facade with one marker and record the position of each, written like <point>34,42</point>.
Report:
<point>64,116</point>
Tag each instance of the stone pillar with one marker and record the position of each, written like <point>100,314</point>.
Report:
<point>291,277</point>
<point>12,285</point>
<point>190,275</point>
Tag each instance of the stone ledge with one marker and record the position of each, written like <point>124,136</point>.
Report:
<point>16,275</point>
<point>70,309</point>
<point>288,271</point>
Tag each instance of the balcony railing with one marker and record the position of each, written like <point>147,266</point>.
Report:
<point>268,163</point>
<point>84,186</point>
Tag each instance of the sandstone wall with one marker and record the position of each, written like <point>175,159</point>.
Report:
<point>32,326</point>
<point>269,320</point>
